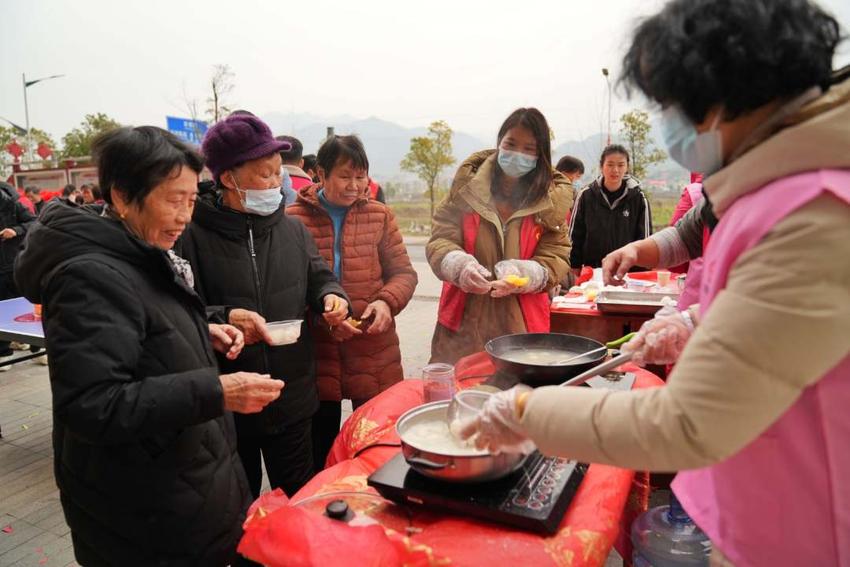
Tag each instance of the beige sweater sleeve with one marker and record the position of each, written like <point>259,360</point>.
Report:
<point>781,323</point>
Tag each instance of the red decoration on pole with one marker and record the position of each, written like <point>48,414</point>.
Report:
<point>44,150</point>
<point>15,149</point>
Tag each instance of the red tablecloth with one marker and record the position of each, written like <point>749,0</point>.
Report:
<point>598,518</point>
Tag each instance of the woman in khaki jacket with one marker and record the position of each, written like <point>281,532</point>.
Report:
<point>499,241</point>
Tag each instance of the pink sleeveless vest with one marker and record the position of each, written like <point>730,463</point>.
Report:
<point>783,500</point>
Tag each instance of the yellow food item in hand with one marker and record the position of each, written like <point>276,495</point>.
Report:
<point>354,322</point>
<point>516,281</point>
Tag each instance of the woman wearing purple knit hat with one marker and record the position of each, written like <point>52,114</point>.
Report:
<point>254,264</point>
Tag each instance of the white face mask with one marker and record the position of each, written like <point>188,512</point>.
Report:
<point>701,152</point>
<point>516,164</point>
<point>261,202</point>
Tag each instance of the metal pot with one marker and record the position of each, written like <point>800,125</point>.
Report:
<point>540,374</point>
<point>445,465</point>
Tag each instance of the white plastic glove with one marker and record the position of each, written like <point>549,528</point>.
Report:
<point>662,339</point>
<point>464,271</point>
<point>497,427</point>
<point>520,269</point>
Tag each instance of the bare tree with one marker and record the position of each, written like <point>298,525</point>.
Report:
<point>194,113</point>
<point>222,85</point>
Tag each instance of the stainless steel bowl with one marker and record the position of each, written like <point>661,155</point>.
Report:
<point>446,466</point>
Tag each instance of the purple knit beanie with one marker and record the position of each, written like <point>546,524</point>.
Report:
<point>237,139</point>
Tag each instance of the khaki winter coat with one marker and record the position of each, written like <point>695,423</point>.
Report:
<point>375,265</point>
<point>484,317</point>
<point>780,324</point>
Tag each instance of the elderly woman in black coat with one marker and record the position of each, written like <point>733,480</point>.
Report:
<point>143,438</point>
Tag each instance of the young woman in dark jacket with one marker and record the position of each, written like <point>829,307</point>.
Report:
<point>610,213</point>
<point>143,439</point>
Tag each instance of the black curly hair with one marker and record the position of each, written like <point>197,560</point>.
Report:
<point>740,54</point>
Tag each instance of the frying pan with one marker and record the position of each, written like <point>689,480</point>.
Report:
<point>544,374</point>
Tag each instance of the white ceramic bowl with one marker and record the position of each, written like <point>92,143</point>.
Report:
<point>284,332</point>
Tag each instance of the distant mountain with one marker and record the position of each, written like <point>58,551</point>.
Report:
<point>386,142</point>
<point>587,150</point>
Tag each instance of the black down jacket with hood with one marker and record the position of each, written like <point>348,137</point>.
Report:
<point>268,264</point>
<point>145,455</point>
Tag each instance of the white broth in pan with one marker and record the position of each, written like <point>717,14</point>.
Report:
<point>543,356</point>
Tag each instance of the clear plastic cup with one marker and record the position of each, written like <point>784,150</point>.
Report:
<point>663,278</point>
<point>438,382</point>
<point>284,332</point>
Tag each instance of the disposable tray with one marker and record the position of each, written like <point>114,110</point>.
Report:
<point>630,302</point>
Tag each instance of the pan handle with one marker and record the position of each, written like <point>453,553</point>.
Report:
<point>426,464</point>
<point>597,370</point>
<point>621,341</point>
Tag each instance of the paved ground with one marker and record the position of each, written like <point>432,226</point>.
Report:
<point>32,527</point>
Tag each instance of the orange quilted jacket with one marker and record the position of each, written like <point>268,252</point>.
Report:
<point>375,265</point>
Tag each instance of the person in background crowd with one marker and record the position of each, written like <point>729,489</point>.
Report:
<point>754,414</point>
<point>24,199</point>
<point>573,170</point>
<point>688,198</point>
<point>359,237</point>
<point>143,437</point>
<point>505,216</point>
<point>71,193</point>
<point>375,191</point>
<point>611,212</point>
<point>15,221</point>
<point>97,194</point>
<point>691,195</point>
<point>33,193</point>
<point>253,264</point>
<point>86,193</point>
<point>293,162</point>
<point>309,167</point>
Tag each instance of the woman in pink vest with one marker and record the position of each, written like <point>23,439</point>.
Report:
<point>499,240</point>
<point>756,413</point>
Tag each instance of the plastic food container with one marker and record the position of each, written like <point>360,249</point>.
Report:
<point>284,332</point>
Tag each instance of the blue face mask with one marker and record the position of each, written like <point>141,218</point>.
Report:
<point>261,202</point>
<point>516,164</point>
<point>702,153</point>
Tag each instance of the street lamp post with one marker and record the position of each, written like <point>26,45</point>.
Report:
<point>28,84</point>
<point>608,82</point>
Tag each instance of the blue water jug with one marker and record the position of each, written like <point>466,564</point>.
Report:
<point>667,537</point>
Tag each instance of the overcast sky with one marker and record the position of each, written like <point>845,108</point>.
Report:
<point>467,62</point>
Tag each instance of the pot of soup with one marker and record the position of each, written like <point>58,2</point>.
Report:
<point>432,450</point>
<point>539,359</point>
